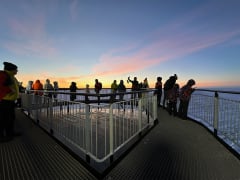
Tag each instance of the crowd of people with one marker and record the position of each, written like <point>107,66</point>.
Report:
<point>170,91</point>
<point>173,92</point>
<point>10,88</point>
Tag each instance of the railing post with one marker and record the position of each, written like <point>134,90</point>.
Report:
<point>140,114</point>
<point>29,103</point>
<point>87,131</point>
<point>37,100</point>
<point>111,128</point>
<point>51,115</point>
<point>215,123</point>
<point>154,98</point>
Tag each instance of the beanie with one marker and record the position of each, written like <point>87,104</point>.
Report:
<point>9,66</point>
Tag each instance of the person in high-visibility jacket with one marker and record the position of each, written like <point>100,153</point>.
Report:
<point>9,92</point>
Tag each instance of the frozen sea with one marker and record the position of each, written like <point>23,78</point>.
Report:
<point>201,109</point>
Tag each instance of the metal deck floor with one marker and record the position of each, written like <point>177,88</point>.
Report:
<point>173,150</point>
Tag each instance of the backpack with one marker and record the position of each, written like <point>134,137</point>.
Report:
<point>100,86</point>
<point>8,81</point>
<point>5,82</point>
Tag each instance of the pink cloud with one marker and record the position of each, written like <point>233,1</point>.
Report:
<point>177,39</point>
<point>29,37</point>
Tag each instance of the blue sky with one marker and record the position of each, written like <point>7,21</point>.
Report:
<point>80,40</point>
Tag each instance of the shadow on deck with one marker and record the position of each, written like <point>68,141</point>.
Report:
<point>173,149</point>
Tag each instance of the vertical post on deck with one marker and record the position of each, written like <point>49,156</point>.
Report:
<point>111,129</point>
<point>38,99</point>
<point>87,131</point>
<point>50,104</point>
<point>215,123</point>
<point>140,114</point>
<point>30,98</point>
<point>155,106</point>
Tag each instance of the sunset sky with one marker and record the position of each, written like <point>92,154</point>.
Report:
<point>81,40</point>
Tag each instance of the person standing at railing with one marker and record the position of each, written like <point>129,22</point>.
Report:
<point>29,88</point>
<point>98,88</point>
<point>145,84</point>
<point>185,95</point>
<point>158,91</point>
<point>114,88</point>
<point>135,86</point>
<point>55,88</point>
<point>87,91</point>
<point>48,88</point>
<point>122,89</point>
<point>8,95</point>
<point>73,90</point>
<point>38,88</point>
<point>167,86</point>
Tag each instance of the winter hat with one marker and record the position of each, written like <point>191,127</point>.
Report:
<point>9,66</point>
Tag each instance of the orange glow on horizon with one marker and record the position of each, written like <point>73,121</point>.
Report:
<point>65,83</point>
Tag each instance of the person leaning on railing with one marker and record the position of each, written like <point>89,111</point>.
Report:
<point>184,96</point>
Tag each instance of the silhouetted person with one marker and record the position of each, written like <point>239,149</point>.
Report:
<point>55,88</point>
<point>87,91</point>
<point>185,95</point>
<point>121,89</point>
<point>114,88</point>
<point>167,86</point>
<point>135,86</point>
<point>145,84</point>
<point>98,86</point>
<point>158,91</point>
<point>73,90</point>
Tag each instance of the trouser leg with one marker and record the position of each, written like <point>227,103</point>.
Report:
<point>185,109</point>
<point>10,118</point>
<point>2,119</point>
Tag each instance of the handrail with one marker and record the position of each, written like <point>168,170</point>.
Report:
<point>98,133</point>
<point>219,111</point>
<point>219,91</point>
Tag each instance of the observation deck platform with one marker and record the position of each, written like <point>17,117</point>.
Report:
<point>174,149</point>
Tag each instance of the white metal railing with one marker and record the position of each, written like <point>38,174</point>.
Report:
<point>219,111</point>
<point>96,132</point>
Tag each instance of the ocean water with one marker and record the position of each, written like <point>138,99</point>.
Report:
<point>228,125</point>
